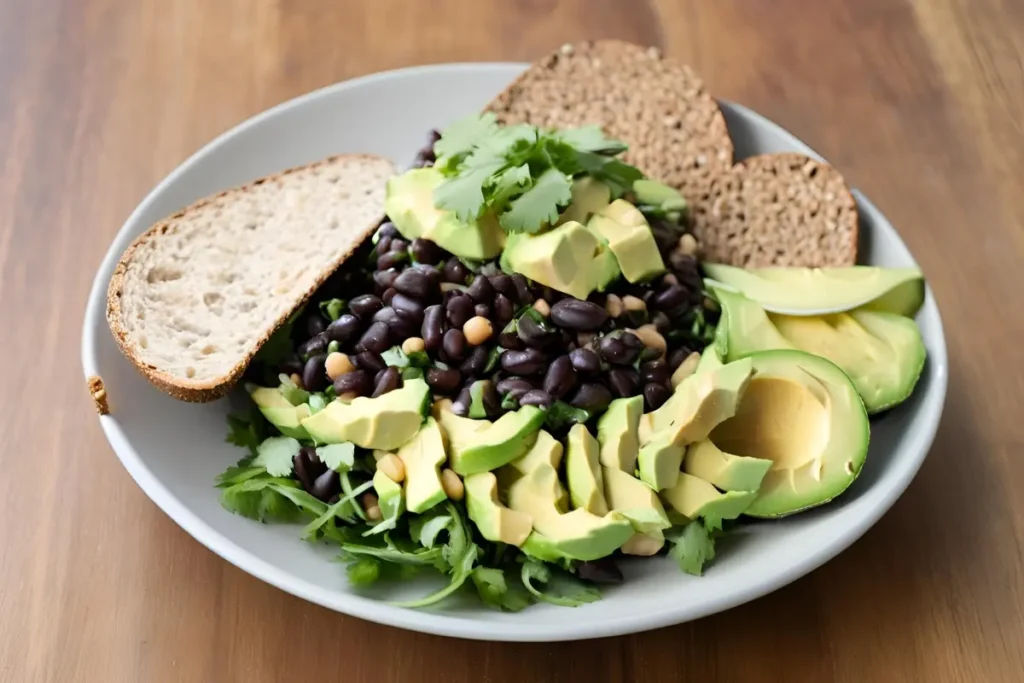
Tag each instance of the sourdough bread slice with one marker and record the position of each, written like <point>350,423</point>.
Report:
<point>778,210</point>
<point>658,106</point>
<point>194,297</point>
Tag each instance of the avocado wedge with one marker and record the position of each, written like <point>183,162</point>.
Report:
<point>803,414</point>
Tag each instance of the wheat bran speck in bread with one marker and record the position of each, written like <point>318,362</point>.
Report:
<point>657,105</point>
<point>194,297</point>
<point>778,210</point>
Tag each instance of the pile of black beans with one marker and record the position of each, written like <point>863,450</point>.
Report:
<point>543,346</point>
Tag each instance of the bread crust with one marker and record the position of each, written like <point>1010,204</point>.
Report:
<point>201,391</point>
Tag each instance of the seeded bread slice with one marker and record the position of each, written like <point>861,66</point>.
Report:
<point>194,298</point>
<point>658,106</point>
<point>778,210</point>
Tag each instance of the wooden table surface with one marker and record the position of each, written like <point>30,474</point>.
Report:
<point>919,103</point>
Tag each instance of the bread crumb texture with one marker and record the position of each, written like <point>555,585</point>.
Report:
<point>779,210</point>
<point>99,394</point>
<point>195,297</point>
<point>657,105</point>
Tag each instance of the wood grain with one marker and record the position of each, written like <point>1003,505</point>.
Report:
<point>919,103</point>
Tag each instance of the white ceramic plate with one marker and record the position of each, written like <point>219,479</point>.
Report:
<point>174,450</point>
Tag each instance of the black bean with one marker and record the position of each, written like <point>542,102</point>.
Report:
<point>462,402</point>
<point>482,310</point>
<point>491,400</point>
<point>676,358</point>
<point>612,349</point>
<point>365,305</point>
<point>533,333</point>
<point>406,305</point>
<point>624,382</point>
<point>400,245</point>
<point>415,283</point>
<point>307,466</point>
<point>523,294</point>
<point>444,381</point>
<point>392,259</point>
<point>315,324</point>
<point>376,338</point>
<point>511,341</point>
<point>581,316</point>
<point>432,329</point>
<point>528,362</point>
<point>432,273</point>
<point>649,353</point>
<point>356,381</point>
<point>460,309</point>
<point>671,299</point>
<point>314,373</point>
<point>604,570</point>
<point>369,361</point>
<point>481,290</point>
<point>585,361</point>
<point>455,271</point>
<point>389,379</point>
<point>536,397</point>
<point>593,397</point>
<point>317,344</point>
<point>655,371</point>
<point>560,377</point>
<point>326,485</point>
<point>425,251</point>
<point>661,322</point>
<point>387,229</point>
<point>454,344</point>
<point>655,395</point>
<point>504,311</point>
<point>631,341</point>
<point>388,295</point>
<point>475,363</point>
<point>502,283</point>
<point>384,245</point>
<point>292,364</point>
<point>515,386</point>
<point>385,278</point>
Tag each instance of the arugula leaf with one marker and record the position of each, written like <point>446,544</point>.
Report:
<point>275,455</point>
<point>462,567</point>
<point>692,546</point>
<point>425,528</point>
<point>332,308</point>
<point>347,489</point>
<point>590,139</point>
<point>342,509</point>
<point>562,588</point>
<point>496,592</point>
<point>247,432</point>
<point>363,571</point>
<point>540,205</point>
<point>561,414</point>
<point>390,552</point>
<point>340,457</point>
<point>461,136</point>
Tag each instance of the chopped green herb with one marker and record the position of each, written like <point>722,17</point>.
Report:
<point>561,588</point>
<point>332,308</point>
<point>692,546</point>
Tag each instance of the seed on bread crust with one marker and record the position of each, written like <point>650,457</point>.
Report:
<point>779,210</point>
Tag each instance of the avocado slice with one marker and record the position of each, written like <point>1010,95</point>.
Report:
<point>583,471</point>
<point>883,353</point>
<point>536,491</point>
<point>383,423</point>
<point>798,290</point>
<point>495,521</point>
<point>694,497</point>
<point>409,203</point>
<point>804,414</point>
<point>280,412</point>
<point>628,235</point>
<point>617,432</point>
<point>480,445</point>
<point>697,405</point>
<point>644,545</point>
<point>726,471</point>
<point>659,462</point>
<point>634,500</point>
<point>589,195</point>
<point>423,456</point>
<point>568,258</point>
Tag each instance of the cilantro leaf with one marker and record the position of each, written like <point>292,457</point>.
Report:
<point>340,457</point>
<point>617,175</point>
<point>466,133</point>
<point>398,358</point>
<point>590,139</point>
<point>692,546</point>
<point>236,474</point>
<point>391,552</point>
<point>247,431</point>
<point>462,567</point>
<point>276,453</point>
<point>509,183</point>
<point>496,592</point>
<point>425,528</point>
<point>463,194</point>
<point>263,498</point>
<point>540,205</point>
<point>332,308</point>
<point>280,343</point>
<point>343,509</point>
<point>561,588</point>
<point>561,414</point>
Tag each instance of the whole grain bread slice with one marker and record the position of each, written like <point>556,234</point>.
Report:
<point>675,131</point>
<point>778,210</point>
<point>194,297</point>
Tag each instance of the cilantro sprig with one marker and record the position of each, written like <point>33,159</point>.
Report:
<point>521,173</point>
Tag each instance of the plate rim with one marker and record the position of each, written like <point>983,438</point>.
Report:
<point>432,622</point>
